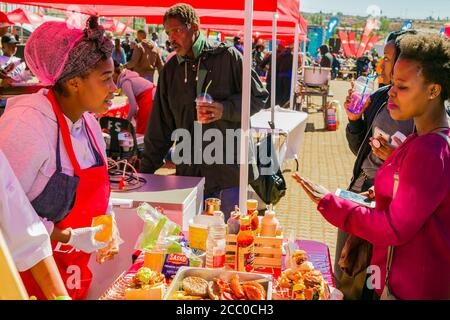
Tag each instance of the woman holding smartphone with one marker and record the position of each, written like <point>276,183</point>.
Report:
<point>409,225</point>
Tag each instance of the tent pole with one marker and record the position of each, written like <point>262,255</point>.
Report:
<point>273,67</point>
<point>294,66</point>
<point>245,113</point>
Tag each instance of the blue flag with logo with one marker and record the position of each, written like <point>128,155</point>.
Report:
<point>407,25</point>
<point>331,27</point>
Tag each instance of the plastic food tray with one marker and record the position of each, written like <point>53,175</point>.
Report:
<point>209,274</point>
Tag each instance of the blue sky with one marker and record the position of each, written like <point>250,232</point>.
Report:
<point>391,8</point>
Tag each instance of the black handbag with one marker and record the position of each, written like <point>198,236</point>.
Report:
<point>268,183</point>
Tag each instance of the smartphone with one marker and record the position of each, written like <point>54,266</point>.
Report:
<point>377,132</point>
<point>355,197</point>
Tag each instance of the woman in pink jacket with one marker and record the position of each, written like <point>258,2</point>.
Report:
<point>412,188</point>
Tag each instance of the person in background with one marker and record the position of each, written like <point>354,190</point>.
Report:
<point>379,71</point>
<point>326,58</point>
<point>335,67</point>
<point>56,148</point>
<point>197,63</point>
<point>258,57</point>
<point>118,53</point>
<point>362,66</point>
<point>126,45</point>
<point>409,225</point>
<point>109,35</point>
<point>283,74</point>
<point>26,236</point>
<point>9,46</point>
<point>238,44</point>
<point>360,131</point>
<point>146,57</point>
<point>140,94</point>
<point>155,38</point>
<point>5,80</point>
<point>10,64</point>
<point>169,47</point>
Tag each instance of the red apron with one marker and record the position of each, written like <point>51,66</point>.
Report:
<point>144,101</point>
<point>91,200</point>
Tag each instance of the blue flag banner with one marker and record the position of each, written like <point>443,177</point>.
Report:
<point>407,25</point>
<point>331,27</point>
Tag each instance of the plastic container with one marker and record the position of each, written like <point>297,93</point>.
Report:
<point>203,98</point>
<point>215,246</point>
<point>364,86</point>
<point>269,224</point>
<point>154,259</point>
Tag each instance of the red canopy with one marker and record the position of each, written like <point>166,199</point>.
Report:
<point>259,5</point>
<point>23,16</point>
<point>140,8</point>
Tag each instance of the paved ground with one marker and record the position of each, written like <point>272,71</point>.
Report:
<point>326,159</point>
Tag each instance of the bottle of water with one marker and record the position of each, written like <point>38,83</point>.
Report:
<point>215,246</point>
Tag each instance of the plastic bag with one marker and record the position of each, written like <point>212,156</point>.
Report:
<point>157,227</point>
<point>107,253</point>
<point>178,255</point>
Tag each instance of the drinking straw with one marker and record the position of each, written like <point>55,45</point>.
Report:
<point>365,86</point>
<point>207,87</point>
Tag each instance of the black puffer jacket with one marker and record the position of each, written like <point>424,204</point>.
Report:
<point>174,108</point>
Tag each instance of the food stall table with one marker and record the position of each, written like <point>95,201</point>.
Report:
<point>317,253</point>
<point>180,197</point>
<point>288,122</point>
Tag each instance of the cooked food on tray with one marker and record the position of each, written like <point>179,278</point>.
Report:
<point>196,288</point>
<point>146,285</point>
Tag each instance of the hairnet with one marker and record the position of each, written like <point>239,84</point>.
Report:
<point>58,52</point>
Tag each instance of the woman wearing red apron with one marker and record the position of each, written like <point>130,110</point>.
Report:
<point>140,94</point>
<point>62,164</point>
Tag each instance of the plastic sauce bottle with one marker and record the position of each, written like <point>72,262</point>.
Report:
<point>252,212</point>
<point>245,243</point>
<point>269,224</point>
<point>215,246</point>
<point>233,221</point>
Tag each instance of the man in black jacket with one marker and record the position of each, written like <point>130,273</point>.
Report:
<point>199,64</point>
<point>370,155</point>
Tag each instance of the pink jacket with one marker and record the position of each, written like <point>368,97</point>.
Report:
<point>416,222</point>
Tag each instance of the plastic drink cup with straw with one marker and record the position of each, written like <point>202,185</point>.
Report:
<point>364,87</point>
<point>203,98</point>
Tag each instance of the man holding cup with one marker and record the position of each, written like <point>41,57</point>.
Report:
<point>199,91</point>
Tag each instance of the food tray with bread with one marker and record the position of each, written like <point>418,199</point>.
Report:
<point>218,284</point>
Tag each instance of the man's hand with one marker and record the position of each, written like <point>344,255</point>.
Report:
<point>381,148</point>
<point>314,191</point>
<point>209,112</point>
<point>348,101</point>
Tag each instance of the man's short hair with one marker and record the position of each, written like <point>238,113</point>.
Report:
<point>183,13</point>
<point>142,31</point>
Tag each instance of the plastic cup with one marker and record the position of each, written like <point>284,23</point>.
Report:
<point>361,92</point>
<point>202,98</point>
